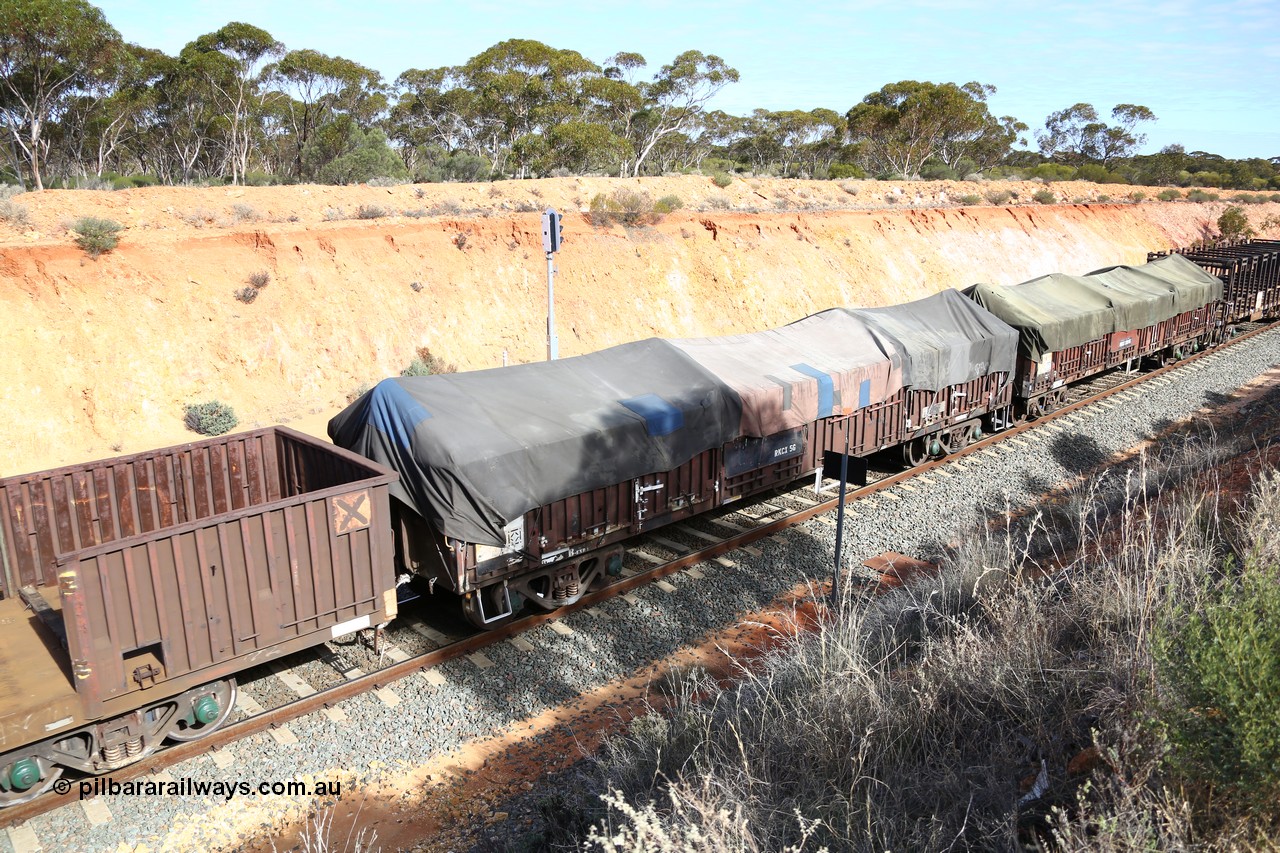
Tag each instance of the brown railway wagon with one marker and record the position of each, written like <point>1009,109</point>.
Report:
<point>1044,390</point>
<point>560,548</point>
<point>135,588</point>
<point>1250,274</point>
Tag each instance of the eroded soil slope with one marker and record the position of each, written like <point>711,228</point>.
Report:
<point>99,356</point>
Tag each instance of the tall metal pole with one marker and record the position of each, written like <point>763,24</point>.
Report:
<point>844,483</point>
<point>553,345</point>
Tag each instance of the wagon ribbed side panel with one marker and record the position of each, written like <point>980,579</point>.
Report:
<point>185,565</point>
<point>66,510</point>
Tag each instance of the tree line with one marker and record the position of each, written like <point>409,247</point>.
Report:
<point>77,102</point>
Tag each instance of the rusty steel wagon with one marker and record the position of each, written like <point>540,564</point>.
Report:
<point>1250,275</point>
<point>135,588</point>
<point>519,484</point>
<point>1073,327</point>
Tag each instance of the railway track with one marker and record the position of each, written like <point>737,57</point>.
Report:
<point>317,681</point>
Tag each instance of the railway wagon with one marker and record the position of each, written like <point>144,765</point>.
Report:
<point>1072,327</point>
<point>519,484</point>
<point>1249,272</point>
<point>136,588</point>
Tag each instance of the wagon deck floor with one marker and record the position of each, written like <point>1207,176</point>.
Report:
<point>36,691</point>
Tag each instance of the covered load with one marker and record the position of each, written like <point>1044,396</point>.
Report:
<point>1056,312</point>
<point>946,339</point>
<point>827,364</point>
<point>1188,284</point>
<point>477,450</point>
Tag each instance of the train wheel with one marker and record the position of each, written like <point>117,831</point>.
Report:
<point>916,451</point>
<point>483,606</point>
<point>202,712</point>
<point>25,778</point>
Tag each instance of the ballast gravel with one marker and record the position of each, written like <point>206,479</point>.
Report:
<point>620,637</point>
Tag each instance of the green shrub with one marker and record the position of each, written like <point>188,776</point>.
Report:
<point>1137,196</point>
<point>844,171</point>
<point>722,179</point>
<point>624,206</point>
<point>370,211</point>
<point>998,197</point>
<point>1044,197</point>
<point>939,172</point>
<point>259,179</point>
<point>425,363</point>
<point>1233,224</point>
<point>1201,196</point>
<point>260,279</point>
<point>969,199</point>
<point>1222,660</point>
<point>1053,172</point>
<point>96,236</point>
<point>667,203</point>
<point>1104,198</point>
<point>1274,197</point>
<point>1169,195</point>
<point>212,418</point>
<point>1098,175</point>
<point>15,214</point>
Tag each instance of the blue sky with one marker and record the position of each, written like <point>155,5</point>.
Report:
<point>1209,70</point>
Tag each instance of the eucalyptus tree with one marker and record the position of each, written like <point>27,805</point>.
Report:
<point>50,51</point>
<point>906,123</point>
<point>436,114</point>
<point>230,61</point>
<point>316,87</point>
<point>101,126</point>
<point>187,118</point>
<point>524,88</point>
<point>677,96</point>
<point>1077,134</point>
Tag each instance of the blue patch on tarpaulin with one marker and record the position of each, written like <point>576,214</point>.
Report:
<point>864,394</point>
<point>394,412</point>
<point>660,417</point>
<point>826,389</point>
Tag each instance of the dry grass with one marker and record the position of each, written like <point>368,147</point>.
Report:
<point>919,719</point>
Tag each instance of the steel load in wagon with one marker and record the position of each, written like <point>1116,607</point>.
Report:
<point>477,450</point>
<point>946,339</point>
<point>827,364</point>
<point>1189,286</point>
<point>1056,312</point>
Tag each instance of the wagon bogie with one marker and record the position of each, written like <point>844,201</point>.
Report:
<point>147,581</point>
<point>25,776</point>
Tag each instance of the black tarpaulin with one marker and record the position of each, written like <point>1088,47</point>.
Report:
<point>476,450</point>
<point>946,338</point>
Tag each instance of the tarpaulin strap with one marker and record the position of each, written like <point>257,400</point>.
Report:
<point>826,388</point>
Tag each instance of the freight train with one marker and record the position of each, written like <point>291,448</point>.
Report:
<point>134,589</point>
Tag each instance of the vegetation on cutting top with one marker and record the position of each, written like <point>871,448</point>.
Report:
<point>236,105</point>
<point>426,363</point>
<point>1233,224</point>
<point>1115,702</point>
<point>96,236</point>
<point>630,207</point>
<point>211,418</point>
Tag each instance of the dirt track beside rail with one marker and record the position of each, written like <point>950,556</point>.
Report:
<point>101,355</point>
